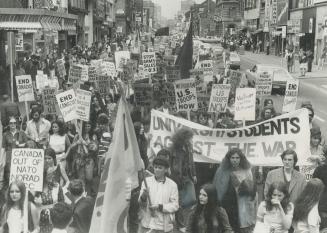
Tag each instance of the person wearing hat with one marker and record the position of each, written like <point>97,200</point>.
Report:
<point>158,199</point>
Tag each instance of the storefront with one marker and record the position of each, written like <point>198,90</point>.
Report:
<point>307,41</point>
<point>31,31</point>
<point>321,30</point>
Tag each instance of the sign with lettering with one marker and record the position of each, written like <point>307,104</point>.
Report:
<point>67,105</point>
<point>185,91</point>
<point>85,73</point>
<point>49,100</point>
<point>24,88</point>
<point>143,94</point>
<point>27,166</point>
<point>263,84</point>
<point>173,73</point>
<point>75,74</point>
<point>245,104</point>
<point>219,98</point>
<point>92,73</point>
<point>291,93</point>
<point>149,62</point>
<point>121,58</point>
<point>83,104</point>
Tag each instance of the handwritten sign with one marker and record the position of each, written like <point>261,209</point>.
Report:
<point>185,91</point>
<point>149,62</point>
<point>49,100</point>
<point>41,81</point>
<point>206,66</point>
<point>219,97</point>
<point>245,104</point>
<point>27,166</point>
<point>67,104</point>
<point>263,84</point>
<point>92,73</point>
<point>24,88</point>
<point>83,103</point>
<point>173,73</point>
<point>75,74</point>
<point>291,93</point>
<point>143,94</point>
<point>108,68</point>
<point>84,73</point>
<point>121,58</point>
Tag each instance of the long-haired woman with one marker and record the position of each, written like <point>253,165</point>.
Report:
<point>276,212</point>
<point>306,217</point>
<point>236,190</point>
<point>208,216</point>
<point>12,213</point>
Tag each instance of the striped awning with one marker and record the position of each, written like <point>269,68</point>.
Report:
<point>69,25</point>
<point>20,25</point>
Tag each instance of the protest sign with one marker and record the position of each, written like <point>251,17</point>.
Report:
<point>143,94</point>
<point>49,100</point>
<point>83,103</point>
<point>102,85</point>
<point>173,73</point>
<point>108,68</point>
<point>67,105</point>
<point>245,104</point>
<point>291,93</point>
<point>263,84</point>
<point>235,80</point>
<point>61,67</point>
<point>307,171</point>
<point>203,102</point>
<point>92,73</point>
<point>185,91</point>
<point>219,97</point>
<point>149,62</point>
<point>167,95</point>
<point>24,88</point>
<point>27,166</point>
<point>206,66</point>
<point>84,73</point>
<point>97,64</point>
<point>121,58</point>
<point>41,81</point>
<point>261,143</point>
<point>75,74</point>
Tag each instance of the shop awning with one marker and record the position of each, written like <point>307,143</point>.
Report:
<point>20,25</point>
<point>69,25</point>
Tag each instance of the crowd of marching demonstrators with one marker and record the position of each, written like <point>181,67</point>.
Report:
<point>182,195</point>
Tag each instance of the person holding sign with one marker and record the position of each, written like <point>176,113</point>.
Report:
<point>236,190</point>
<point>11,139</point>
<point>12,214</point>
<point>38,128</point>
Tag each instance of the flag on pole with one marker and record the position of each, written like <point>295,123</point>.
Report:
<point>185,57</point>
<point>120,174</point>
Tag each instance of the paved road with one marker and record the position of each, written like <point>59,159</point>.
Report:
<point>312,89</point>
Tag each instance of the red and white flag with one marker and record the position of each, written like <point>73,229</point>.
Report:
<point>119,176</point>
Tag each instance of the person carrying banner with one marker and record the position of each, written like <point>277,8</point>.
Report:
<point>236,190</point>
<point>158,199</point>
<point>294,180</point>
<point>183,172</point>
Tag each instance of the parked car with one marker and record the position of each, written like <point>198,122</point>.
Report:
<point>234,61</point>
<point>280,76</point>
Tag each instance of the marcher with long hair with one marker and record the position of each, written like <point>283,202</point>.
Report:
<point>208,216</point>
<point>12,213</point>
<point>306,217</point>
<point>276,212</point>
<point>183,172</point>
<point>236,190</point>
<point>59,142</point>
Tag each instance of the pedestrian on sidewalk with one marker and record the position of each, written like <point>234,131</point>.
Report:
<point>309,59</point>
<point>322,59</point>
<point>303,63</point>
<point>290,60</point>
<point>268,47</point>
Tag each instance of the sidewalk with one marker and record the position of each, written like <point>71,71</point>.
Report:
<point>262,58</point>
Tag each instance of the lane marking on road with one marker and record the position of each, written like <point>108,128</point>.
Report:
<point>319,118</point>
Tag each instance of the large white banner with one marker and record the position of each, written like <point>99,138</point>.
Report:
<point>261,143</point>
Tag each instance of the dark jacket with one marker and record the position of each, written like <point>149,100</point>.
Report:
<point>220,222</point>
<point>182,165</point>
<point>82,214</point>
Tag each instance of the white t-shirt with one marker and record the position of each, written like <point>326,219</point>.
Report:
<point>313,221</point>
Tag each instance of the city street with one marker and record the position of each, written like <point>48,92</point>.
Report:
<point>313,89</point>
